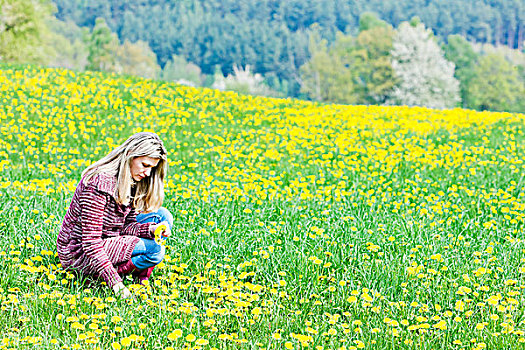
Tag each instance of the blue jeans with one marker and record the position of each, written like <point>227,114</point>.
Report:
<point>147,252</point>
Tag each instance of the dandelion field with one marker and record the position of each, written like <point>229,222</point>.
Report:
<point>297,225</point>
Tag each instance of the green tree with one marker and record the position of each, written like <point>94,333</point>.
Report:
<point>459,51</point>
<point>496,85</point>
<point>369,20</point>
<point>326,76</point>
<point>374,75</point>
<point>102,46</point>
<point>22,29</point>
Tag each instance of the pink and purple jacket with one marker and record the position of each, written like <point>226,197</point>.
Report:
<point>98,233</point>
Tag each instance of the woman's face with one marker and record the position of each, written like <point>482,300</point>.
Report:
<point>140,167</point>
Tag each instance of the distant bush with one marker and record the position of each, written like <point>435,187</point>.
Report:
<point>136,59</point>
<point>68,45</point>
<point>243,81</point>
<point>181,71</point>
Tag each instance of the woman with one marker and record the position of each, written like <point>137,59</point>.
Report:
<point>101,234</point>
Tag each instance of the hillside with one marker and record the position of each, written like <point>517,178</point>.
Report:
<point>298,225</point>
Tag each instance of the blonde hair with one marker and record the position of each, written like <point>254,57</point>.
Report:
<point>149,193</point>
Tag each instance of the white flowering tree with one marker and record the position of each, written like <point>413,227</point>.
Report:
<point>424,76</point>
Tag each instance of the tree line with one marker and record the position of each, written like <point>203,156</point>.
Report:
<point>210,32</point>
<point>408,66</point>
<point>333,51</point>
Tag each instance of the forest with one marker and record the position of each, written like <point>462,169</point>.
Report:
<point>339,51</point>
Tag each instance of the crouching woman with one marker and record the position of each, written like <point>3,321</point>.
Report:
<point>108,230</point>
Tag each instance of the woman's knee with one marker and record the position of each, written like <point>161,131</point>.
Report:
<point>158,216</point>
<point>165,215</point>
<point>155,257</point>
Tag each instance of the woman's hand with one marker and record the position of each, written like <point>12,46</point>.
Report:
<point>166,232</point>
<point>121,290</point>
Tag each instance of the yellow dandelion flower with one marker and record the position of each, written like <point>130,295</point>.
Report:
<point>352,299</point>
<point>116,319</point>
<point>125,341</point>
<point>202,342</point>
<point>176,334</point>
<point>441,325</point>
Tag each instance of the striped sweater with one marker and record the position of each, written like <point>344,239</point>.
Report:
<point>98,233</point>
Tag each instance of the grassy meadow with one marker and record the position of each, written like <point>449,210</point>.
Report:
<point>297,225</point>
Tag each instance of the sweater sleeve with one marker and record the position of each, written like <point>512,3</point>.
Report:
<point>134,228</point>
<point>93,203</point>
